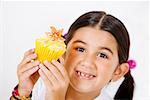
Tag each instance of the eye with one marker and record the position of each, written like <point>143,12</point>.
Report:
<point>79,49</point>
<point>102,55</point>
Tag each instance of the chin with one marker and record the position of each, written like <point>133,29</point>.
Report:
<point>82,88</point>
<point>84,82</point>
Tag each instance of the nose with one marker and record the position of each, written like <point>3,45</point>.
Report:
<point>87,61</point>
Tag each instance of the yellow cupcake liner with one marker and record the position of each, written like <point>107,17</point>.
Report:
<point>49,51</point>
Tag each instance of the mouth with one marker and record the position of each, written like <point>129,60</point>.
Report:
<point>84,75</point>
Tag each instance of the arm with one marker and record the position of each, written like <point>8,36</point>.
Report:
<point>27,75</point>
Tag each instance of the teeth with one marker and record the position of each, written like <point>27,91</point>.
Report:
<point>90,76</point>
<point>87,76</point>
<point>78,73</point>
<point>82,74</point>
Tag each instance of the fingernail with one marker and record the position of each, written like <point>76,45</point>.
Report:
<point>40,65</point>
<point>37,61</point>
<point>32,50</point>
<point>45,61</point>
<point>35,55</point>
<point>37,67</point>
<point>53,61</point>
<point>32,60</point>
<point>40,71</point>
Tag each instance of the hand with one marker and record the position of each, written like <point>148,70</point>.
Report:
<point>27,73</point>
<point>55,78</point>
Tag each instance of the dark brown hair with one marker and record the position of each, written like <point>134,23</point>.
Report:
<point>114,26</point>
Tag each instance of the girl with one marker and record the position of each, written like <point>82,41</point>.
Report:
<point>96,57</point>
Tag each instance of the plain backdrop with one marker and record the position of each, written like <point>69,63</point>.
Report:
<point>22,22</point>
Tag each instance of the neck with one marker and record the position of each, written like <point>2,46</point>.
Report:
<point>72,94</point>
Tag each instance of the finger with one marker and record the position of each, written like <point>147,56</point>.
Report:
<point>61,69</point>
<point>28,58</point>
<point>54,71</point>
<point>28,66</point>
<point>45,78</point>
<point>29,52</point>
<point>29,72</point>
<point>48,74</point>
<point>61,59</point>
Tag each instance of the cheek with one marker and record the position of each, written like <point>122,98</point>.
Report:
<point>108,66</point>
<point>70,59</point>
<point>105,71</point>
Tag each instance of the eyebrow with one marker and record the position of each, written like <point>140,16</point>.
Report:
<point>106,48</point>
<point>79,41</point>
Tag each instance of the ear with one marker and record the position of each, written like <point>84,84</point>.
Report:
<point>120,71</point>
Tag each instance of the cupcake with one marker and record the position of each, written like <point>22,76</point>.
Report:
<point>50,47</point>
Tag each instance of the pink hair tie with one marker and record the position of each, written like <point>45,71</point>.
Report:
<point>132,64</point>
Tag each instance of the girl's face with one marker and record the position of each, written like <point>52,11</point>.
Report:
<point>91,59</point>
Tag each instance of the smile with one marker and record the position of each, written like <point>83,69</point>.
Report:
<point>84,75</point>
